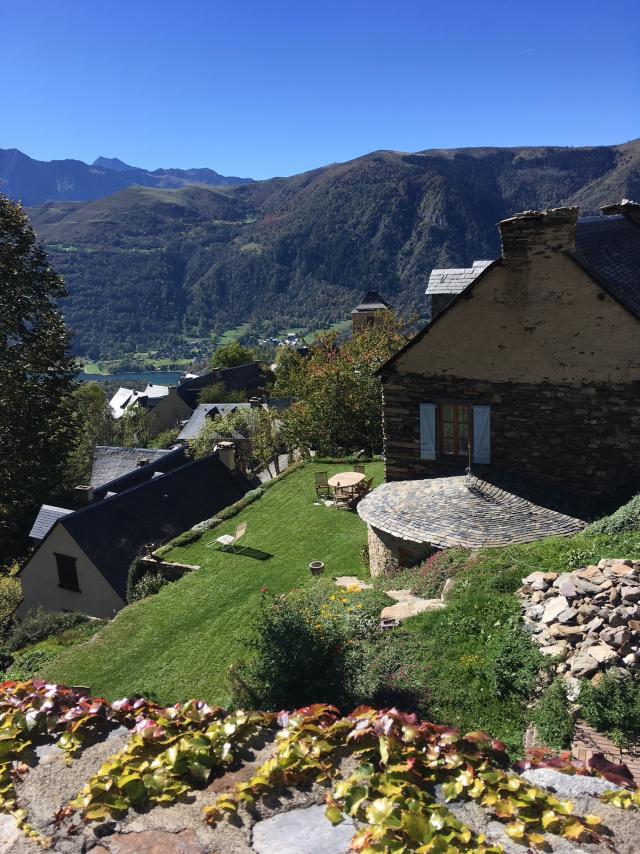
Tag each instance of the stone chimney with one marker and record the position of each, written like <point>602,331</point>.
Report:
<point>227,454</point>
<point>538,234</point>
<point>83,495</point>
<point>626,207</point>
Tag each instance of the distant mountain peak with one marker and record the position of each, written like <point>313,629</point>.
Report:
<point>113,163</point>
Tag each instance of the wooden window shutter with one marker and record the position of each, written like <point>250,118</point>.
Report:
<point>427,431</point>
<point>482,434</point>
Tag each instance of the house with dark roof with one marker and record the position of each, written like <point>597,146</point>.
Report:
<point>111,462</point>
<point>368,311</point>
<point>533,368</point>
<point>248,377</point>
<point>83,560</point>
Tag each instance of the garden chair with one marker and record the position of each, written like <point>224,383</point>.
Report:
<point>323,490</point>
<point>364,487</point>
<point>343,496</point>
<point>228,540</point>
<point>359,469</point>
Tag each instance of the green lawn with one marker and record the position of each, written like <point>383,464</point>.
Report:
<point>180,642</point>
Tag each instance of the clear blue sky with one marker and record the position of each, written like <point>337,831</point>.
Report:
<point>272,88</point>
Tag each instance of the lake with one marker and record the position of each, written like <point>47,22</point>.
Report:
<point>156,377</point>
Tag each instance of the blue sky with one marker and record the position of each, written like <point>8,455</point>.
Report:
<point>273,88</point>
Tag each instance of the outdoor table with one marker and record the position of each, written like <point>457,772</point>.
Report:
<point>346,479</point>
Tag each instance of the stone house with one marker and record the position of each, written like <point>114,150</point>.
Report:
<point>83,558</point>
<point>534,367</point>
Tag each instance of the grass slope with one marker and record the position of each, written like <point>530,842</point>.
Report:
<point>180,642</point>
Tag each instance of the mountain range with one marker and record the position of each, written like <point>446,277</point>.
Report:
<point>146,267</point>
<point>34,181</point>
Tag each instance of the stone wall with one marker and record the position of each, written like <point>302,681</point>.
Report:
<point>388,554</point>
<point>171,570</point>
<point>577,437</point>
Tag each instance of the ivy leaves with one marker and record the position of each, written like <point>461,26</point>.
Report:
<point>405,770</point>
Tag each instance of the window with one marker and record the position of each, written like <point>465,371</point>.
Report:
<point>454,429</point>
<point>446,428</point>
<point>67,572</point>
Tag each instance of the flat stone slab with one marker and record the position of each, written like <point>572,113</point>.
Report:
<point>446,512</point>
<point>352,581</point>
<point>403,610</point>
<point>401,595</point>
<point>567,785</point>
<point>302,831</point>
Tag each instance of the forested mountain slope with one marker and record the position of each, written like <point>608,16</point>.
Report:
<point>145,266</point>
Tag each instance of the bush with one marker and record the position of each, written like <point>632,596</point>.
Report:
<point>613,707</point>
<point>148,585</point>
<point>626,518</point>
<point>186,539</point>
<point>25,665</point>
<point>10,598</point>
<point>428,578</point>
<point>164,439</point>
<point>38,625</point>
<point>247,499</point>
<point>307,647</point>
<point>552,717</point>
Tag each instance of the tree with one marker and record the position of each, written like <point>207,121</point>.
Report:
<point>36,370</point>
<point>217,393</point>
<point>95,426</point>
<point>259,428</point>
<point>338,397</point>
<point>232,354</point>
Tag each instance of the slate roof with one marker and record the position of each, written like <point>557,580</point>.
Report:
<point>248,376</point>
<point>111,463</point>
<point>47,516</point>
<point>166,461</point>
<point>445,512</point>
<point>113,531</point>
<point>454,280</point>
<point>608,247</point>
<point>203,411</point>
<point>371,301</point>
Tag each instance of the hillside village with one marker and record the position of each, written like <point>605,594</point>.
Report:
<point>444,524</point>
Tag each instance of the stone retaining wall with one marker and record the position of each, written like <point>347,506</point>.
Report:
<point>388,554</point>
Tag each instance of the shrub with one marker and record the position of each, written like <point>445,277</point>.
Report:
<point>164,439</point>
<point>38,625</point>
<point>233,509</point>
<point>186,539</point>
<point>626,518</point>
<point>613,707</point>
<point>148,585</point>
<point>552,717</point>
<point>10,598</point>
<point>26,664</point>
<point>395,672</point>
<point>428,578</point>
<point>307,645</point>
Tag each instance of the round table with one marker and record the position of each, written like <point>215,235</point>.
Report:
<point>346,478</point>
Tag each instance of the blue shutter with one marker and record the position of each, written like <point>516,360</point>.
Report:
<point>482,434</point>
<point>427,431</point>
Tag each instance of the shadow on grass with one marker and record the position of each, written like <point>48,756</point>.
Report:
<point>247,551</point>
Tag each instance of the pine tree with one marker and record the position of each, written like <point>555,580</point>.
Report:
<point>36,370</point>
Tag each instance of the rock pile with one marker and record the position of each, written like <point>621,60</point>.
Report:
<point>589,618</point>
